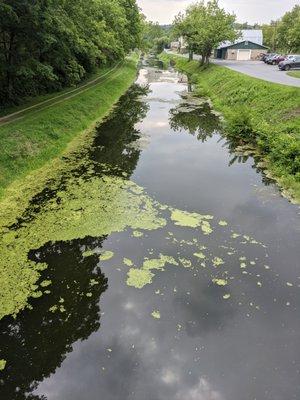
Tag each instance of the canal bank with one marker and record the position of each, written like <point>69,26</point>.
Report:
<point>37,135</point>
<point>261,115</point>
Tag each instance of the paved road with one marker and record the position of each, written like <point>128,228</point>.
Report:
<point>260,70</point>
<point>257,69</point>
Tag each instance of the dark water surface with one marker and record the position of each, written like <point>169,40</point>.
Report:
<point>205,345</point>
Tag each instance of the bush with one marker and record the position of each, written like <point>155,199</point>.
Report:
<point>239,126</point>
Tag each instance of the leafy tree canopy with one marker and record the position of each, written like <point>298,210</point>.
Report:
<point>48,44</point>
<point>204,26</point>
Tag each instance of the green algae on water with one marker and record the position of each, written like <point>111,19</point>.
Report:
<point>223,223</point>
<point>137,234</point>
<point>127,262</point>
<point>217,261</point>
<point>155,314</point>
<point>106,255</point>
<point>200,255</point>
<point>45,283</point>
<point>91,206</point>
<point>2,364</point>
<point>110,206</point>
<point>226,296</point>
<point>192,220</point>
<point>220,282</point>
<point>159,263</point>
<point>185,262</point>
<point>139,278</point>
<point>88,253</point>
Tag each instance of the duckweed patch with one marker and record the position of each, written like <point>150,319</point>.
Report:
<point>200,255</point>
<point>106,255</point>
<point>127,262</point>
<point>111,206</point>
<point>139,278</point>
<point>137,234</point>
<point>94,206</point>
<point>220,282</point>
<point>155,314</point>
<point>192,220</point>
<point>223,223</point>
<point>217,261</point>
<point>2,364</point>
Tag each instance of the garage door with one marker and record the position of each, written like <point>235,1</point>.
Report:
<point>244,55</point>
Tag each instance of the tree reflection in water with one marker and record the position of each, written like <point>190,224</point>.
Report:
<point>196,118</point>
<point>38,340</point>
<point>115,137</point>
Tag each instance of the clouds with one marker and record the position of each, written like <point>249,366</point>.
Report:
<point>251,11</point>
<point>201,391</point>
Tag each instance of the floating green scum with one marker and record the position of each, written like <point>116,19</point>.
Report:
<point>94,206</point>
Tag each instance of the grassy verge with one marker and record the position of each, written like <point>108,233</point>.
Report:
<point>41,135</point>
<point>294,74</point>
<point>32,101</point>
<point>257,113</point>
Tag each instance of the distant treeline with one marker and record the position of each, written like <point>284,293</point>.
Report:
<point>46,45</point>
<point>282,35</point>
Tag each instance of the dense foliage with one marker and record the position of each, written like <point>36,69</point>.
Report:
<point>284,35</point>
<point>155,37</point>
<point>204,26</point>
<point>288,33</point>
<point>48,44</point>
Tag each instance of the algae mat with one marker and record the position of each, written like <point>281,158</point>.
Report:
<point>95,206</point>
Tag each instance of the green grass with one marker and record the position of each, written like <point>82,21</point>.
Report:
<point>294,74</point>
<point>41,135</point>
<point>31,101</point>
<point>263,114</point>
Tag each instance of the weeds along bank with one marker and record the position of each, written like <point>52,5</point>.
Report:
<point>257,113</point>
<point>41,135</point>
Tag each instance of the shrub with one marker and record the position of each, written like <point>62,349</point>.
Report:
<point>239,126</point>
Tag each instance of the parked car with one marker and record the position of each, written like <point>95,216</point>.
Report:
<point>278,59</point>
<point>268,56</point>
<point>262,56</point>
<point>289,63</point>
<point>290,56</point>
<point>271,59</point>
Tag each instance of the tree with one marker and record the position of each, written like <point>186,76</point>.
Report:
<point>48,44</point>
<point>289,31</point>
<point>152,31</point>
<point>205,26</point>
<point>270,35</point>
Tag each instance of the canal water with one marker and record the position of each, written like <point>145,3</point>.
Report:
<point>194,295</point>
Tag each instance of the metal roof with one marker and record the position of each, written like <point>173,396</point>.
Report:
<point>251,35</point>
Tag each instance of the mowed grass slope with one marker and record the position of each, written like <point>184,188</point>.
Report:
<point>260,113</point>
<point>41,135</point>
<point>294,74</point>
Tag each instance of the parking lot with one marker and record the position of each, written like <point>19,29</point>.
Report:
<point>258,69</point>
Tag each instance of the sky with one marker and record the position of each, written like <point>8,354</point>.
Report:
<point>251,11</point>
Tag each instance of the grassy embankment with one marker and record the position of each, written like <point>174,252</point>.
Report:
<point>294,74</point>
<point>257,113</point>
<point>43,134</point>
